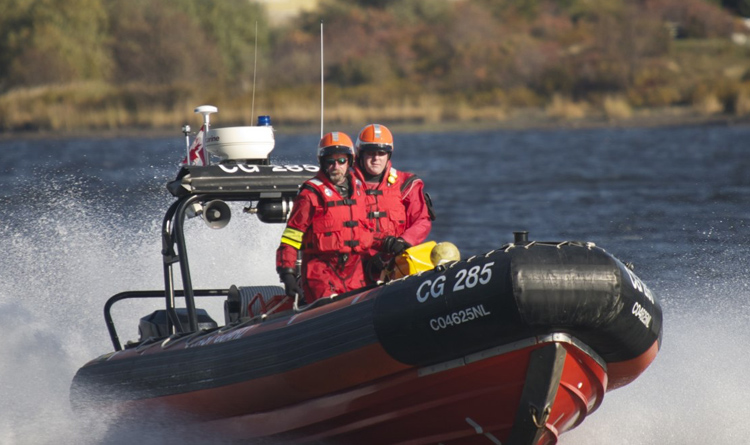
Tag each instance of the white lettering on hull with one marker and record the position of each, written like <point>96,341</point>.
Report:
<point>459,317</point>
<point>642,314</point>
<point>466,278</point>
<point>640,286</point>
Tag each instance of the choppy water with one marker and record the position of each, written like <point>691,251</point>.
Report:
<point>81,217</point>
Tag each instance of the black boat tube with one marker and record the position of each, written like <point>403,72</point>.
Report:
<point>514,293</point>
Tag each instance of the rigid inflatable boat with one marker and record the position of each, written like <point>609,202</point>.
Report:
<point>514,346</point>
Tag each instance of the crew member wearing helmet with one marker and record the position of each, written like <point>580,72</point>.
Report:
<point>329,225</point>
<point>398,208</point>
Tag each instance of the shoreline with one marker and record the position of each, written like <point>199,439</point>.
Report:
<point>519,122</point>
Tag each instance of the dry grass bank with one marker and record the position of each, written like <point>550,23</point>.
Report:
<point>102,108</point>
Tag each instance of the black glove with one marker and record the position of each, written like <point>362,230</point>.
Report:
<point>291,287</point>
<point>375,266</point>
<point>394,246</point>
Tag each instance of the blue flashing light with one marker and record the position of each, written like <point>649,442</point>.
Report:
<point>264,121</point>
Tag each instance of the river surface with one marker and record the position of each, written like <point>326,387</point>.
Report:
<point>81,218</point>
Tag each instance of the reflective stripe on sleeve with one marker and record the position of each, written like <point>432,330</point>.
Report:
<point>293,237</point>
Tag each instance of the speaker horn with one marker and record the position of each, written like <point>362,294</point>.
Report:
<point>216,214</point>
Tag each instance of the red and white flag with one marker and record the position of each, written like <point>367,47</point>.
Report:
<point>197,151</point>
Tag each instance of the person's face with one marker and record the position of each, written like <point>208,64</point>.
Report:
<point>335,167</point>
<point>375,161</point>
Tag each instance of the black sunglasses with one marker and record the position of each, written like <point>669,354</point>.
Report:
<point>330,162</point>
<point>374,153</point>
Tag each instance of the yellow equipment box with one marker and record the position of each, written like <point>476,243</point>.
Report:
<point>414,260</point>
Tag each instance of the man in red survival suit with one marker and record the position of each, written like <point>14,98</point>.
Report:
<point>397,206</point>
<point>329,225</point>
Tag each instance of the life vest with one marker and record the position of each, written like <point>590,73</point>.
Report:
<point>385,207</point>
<point>342,226</point>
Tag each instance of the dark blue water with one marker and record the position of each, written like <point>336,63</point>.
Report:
<point>80,222</point>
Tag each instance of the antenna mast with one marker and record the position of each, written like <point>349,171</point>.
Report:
<point>321,78</point>
<point>255,66</point>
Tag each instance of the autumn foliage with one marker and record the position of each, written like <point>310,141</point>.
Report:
<point>382,54</point>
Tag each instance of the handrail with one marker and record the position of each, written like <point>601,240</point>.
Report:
<point>147,294</point>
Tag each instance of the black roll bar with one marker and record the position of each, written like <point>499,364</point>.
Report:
<point>147,294</point>
<point>173,236</point>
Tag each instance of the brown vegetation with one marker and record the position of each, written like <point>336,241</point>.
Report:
<point>69,65</point>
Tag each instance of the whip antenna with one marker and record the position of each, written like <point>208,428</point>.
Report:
<point>321,78</point>
<point>255,66</point>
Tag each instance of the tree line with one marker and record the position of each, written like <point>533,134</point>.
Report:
<point>503,53</point>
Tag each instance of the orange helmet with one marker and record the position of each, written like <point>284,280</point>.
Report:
<point>336,142</point>
<point>375,137</point>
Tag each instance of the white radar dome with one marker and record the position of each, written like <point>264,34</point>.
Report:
<point>240,142</point>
